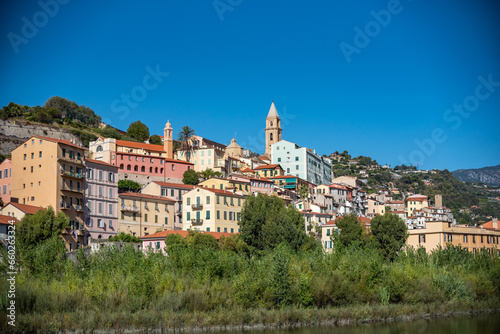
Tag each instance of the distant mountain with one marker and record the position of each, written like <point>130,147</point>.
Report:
<point>486,175</point>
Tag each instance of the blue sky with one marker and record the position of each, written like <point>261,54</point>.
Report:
<point>340,79</point>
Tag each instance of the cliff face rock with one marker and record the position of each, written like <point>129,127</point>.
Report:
<point>14,133</point>
<point>486,175</point>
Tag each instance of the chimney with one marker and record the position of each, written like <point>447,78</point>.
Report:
<point>438,199</point>
<point>495,223</point>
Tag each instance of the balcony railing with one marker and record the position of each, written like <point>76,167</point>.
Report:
<point>196,222</point>
<point>74,189</point>
<point>72,174</point>
<point>78,208</point>
<point>77,160</point>
<point>130,208</point>
<point>197,206</point>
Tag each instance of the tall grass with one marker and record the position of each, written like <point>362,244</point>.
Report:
<point>205,286</point>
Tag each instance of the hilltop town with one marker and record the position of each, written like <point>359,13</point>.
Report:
<point>191,183</point>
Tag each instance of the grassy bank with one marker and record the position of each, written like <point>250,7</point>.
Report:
<point>203,284</point>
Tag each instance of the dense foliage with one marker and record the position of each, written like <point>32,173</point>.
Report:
<point>138,131</point>
<point>389,234</point>
<point>155,140</point>
<point>351,233</point>
<point>124,237</point>
<point>129,185</point>
<point>190,177</point>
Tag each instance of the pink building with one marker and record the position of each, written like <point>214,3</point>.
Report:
<point>257,184</point>
<point>5,176</point>
<point>100,200</point>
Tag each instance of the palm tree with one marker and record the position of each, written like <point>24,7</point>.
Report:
<point>185,136</point>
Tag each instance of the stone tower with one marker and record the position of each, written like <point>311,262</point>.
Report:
<point>273,129</point>
<point>168,141</point>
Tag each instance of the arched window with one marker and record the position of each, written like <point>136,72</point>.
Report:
<point>271,123</point>
<point>99,148</point>
<point>150,169</point>
<point>121,166</point>
<point>143,169</point>
<point>99,236</point>
<point>156,170</point>
<point>161,170</point>
<point>270,136</point>
<point>129,167</point>
<point>136,168</point>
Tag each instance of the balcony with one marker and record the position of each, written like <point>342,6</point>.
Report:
<point>73,189</point>
<point>77,160</point>
<point>130,208</point>
<point>178,212</point>
<point>197,206</point>
<point>78,208</point>
<point>72,174</point>
<point>65,206</point>
<point>196,222</point>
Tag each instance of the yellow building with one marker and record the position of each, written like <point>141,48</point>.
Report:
<point>269,170</point>
<point>375,207</point>
<point>242,187</point>
<point>438,233</point>
<point>204,154</point>
<point>212,210</point>
<point>50,172</point>
<point>416,202</point>
<point>142,214</point>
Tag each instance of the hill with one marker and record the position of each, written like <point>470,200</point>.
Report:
<point>486,175</point>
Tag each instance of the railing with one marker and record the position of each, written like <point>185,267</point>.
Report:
<point>68,188</point>
<point>197,206</point>
<point>196,222</point>
<point>130,208</point>
<point>78,208</point>
<point>73,159</point>
<point>72,174</point>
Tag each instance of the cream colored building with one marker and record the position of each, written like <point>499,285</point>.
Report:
<point>50,172</point>
<point>375,207</point>
<point>241,187</point>
<point>142,214</point>
<point>416,202</point>
<point>204,154</point>
<point>212,210</point>
<point>440,234</point>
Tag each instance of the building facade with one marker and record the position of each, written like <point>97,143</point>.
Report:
<point>5,179</point>
<point>100,199</point>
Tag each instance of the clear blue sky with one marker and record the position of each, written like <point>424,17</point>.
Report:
<point>373,93</point>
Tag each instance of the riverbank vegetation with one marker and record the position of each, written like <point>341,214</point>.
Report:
<point>204,282</point>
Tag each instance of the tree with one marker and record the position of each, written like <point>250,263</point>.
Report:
<point>266,222</point>
<point>209,173</point>
<point>351,232</point>
<point>185,136</point>
<point>156,140</point>
<point>190,177</point>
<point>129,185</point>
<point>389,234</point>
<point>138,130</point>
<point>304,192</point>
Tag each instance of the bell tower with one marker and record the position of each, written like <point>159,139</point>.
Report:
<point>273,129</point>
<point>168,141</point>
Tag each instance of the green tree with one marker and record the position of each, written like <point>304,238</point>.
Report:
<point>190,177</point>
<point>209,173</point>
<point>389,234</point>
<point>185,137</point>
<point>351,232</point>
<point>156,140</point>
<point>124,237</point>
<point>138,130</point>
<point>266,222</point>
<point>129,185</point>
<point>304,192</point>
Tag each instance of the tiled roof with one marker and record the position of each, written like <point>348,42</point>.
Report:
<point>28,209</point>
<point>174,185</point>
<point>184,234</point>
<point>100,162</point>
<point>489,226</point>
<point>267,167</point>
<point>144,146</point>
<point>330,223</point>
<point>396,202</point>
<point>60,141</point>
<point>5,220</point>
<point>139,195</point>
<point>221,192</point>
<point>315,213</point>
<point>178,161</point>
<point>247,170</point>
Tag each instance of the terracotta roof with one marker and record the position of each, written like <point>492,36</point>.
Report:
<point>399,211</point>
<point>5,220</point>
<point>267,167</point>
<point>179,161</point>
<point>99,162</point>
<point>174,185</point>
<point>139,195</point>
<point>263,157</point>
<point>337,186</point>
<point>144,146</point>
<point>247,170</point>
<point>489,226</point>
<point>330,223</point>
<point>396,202</point>
<point>28,209</point>
<point>184,234</point>
<point>315,213</point>
<point>221,192</point>
<point>60,141</point>
<point>260,179</point>
<point>154,157</point>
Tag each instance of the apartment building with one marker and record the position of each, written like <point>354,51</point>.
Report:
<point>240,186</point>
<point>100,199</point>
<point>212,210</point>
<point>50,172</point>
<point>172,191</point>
<point>5,179</point>
<point>142,214</point>
<point>269,170</point>
<point>204,154</point>
<point>416,202</point>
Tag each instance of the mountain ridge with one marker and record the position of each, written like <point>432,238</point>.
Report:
<point>488,175</point>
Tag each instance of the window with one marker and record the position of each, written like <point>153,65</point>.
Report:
<point>296,158</point>
<point>99,208</point>
<point>40,154</point>
<point>110,224</point>
<point>100,191</point>
<point>239,201</point>
<point>134,216</point>
<point>99,148</point>
<point>232,230</point>
<point>166,220</point>
<point>421,238</point>
<point>146,217</point>
<point>188,201</point>
<point>279,159</point>
<point>25,157</point>
<point>188,215</point>
<point>218,214</point>
<point>173,167</point>
<point>328,232</point>
<point>218,229</point>
<point>225,215</point>
<point>110,209</point>
<point>110,193</point>
<point>217,198</point>
<point>208,200</point>
<point>465,237</point>
<point>208,214</point>
<point>156,219</point>
<point>473,239</point>
<point>225,229</point>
